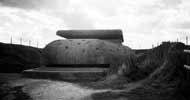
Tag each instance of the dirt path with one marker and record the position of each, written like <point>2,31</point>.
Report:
<point>58,90</point>
<point>40,89</point>
<point>54,90</point>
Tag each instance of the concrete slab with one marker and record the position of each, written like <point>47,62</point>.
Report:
<point>92,34</point>
<point>66,74</point>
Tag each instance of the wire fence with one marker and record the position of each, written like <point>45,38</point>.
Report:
<point>35,43</point>
<point>186,42</point>
<point>23,41</point>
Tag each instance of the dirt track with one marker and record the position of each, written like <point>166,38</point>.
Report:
<point>41,89</point>
<point>54,90</point>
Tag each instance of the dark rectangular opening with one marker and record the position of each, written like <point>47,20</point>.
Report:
<point>79,65</point>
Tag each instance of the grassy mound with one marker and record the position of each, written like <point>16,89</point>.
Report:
<point>163,75</point>
<point>15,58</point>
<point>169,81</point>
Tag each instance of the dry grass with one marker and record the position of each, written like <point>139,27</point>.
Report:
<point>166,80</point>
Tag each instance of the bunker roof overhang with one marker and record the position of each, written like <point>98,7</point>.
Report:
<point>112,34</point>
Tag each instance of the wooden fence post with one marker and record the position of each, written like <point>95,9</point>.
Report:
<point>11,40</point>
<point>29,42</point>
<point>21,41</point>
<point>186,40</point>
<point>37,44</point>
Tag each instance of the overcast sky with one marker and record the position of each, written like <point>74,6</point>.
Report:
<point>144,22</point>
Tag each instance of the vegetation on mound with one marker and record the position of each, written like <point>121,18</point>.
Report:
<point>15,58</point>
<point>166,78</point>
<point>9,92</point>
<point>12,93</point>
<point>169,81</point>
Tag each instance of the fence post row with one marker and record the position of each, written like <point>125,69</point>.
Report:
<point>11,41</point>
<point>21,41</point>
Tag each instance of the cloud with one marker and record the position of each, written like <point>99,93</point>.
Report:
<point>183,25</point>
<point>28,25</point>
<point>143,22</point>
<point>171,3</point>
<point>34,4</point>
<point>21,3</point>
<point>62,9</point>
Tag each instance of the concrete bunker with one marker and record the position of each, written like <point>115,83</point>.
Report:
<point>84,48</point>
<point>85,51</point>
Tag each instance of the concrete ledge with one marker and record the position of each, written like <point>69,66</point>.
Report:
<point>66,74</point>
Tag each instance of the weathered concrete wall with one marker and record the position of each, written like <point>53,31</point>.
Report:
<point>87,51</point>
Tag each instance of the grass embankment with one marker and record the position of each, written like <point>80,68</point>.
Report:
<point>160,76</point>
<point>16,58</point>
